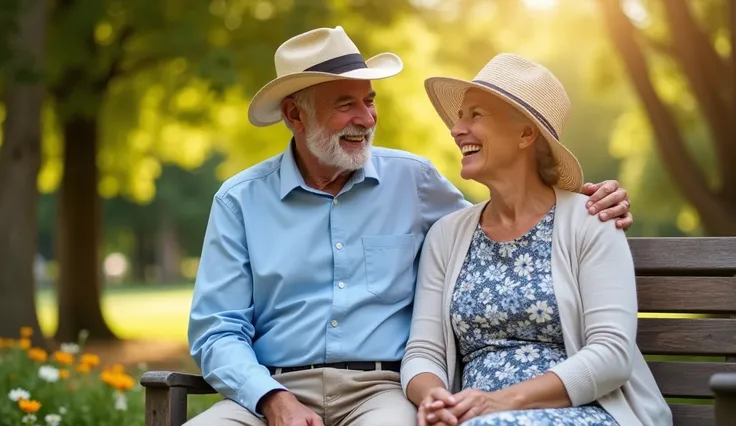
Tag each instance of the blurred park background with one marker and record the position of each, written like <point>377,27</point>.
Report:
<point>121,118</point>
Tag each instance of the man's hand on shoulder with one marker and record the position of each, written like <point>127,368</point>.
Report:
<point>609,201</point>
<point>281,408</point>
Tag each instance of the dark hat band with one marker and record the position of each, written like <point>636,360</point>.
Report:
<point>340,64</point>
<point>521,102</point>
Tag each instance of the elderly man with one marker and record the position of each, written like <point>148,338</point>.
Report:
<point>303,299</point>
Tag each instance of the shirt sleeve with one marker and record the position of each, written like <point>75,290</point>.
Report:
<point>438,197</point>
<point>221,320</point>
<point>607,283</point>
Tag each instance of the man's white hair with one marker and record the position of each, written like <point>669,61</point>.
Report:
<point>304,99</point>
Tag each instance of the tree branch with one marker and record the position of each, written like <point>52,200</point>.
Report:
<point>114,70</point>
<point>706,73</point>
<point>681,166</point>
<point>658,45</point>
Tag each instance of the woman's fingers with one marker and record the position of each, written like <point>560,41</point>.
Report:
<point>442,416</point>
<point>440,394</point>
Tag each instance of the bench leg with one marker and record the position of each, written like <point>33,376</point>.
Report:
<point>166,406</point>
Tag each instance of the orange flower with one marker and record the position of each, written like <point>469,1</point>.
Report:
<point>117,380</point>
<point>64,373</point>
<point>26,332</point>
<point>63,358</point>
<point>90,360</point>
<point>27,406</point>
<point>37,354</point>
<point>25,343</point>
<point>83,368</point>
<point>116,368</point>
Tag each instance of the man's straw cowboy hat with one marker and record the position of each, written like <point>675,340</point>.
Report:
<point>527,86</point>
<point>314,57</point>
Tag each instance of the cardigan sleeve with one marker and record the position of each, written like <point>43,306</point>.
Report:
<point>425,351</point>
<point>606,281</point>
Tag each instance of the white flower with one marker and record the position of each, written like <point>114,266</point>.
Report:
<point>507,250</point>
<point>540,312</point>
<point>48,373</point>
<point>70,348</point>
<point>29,419</point>
<point>523,265</point>
<point>121,401</point>
<point>17,394</point>
<point>62,410</point>
<point>52,419</point>
<point>508,370</point>
<point>461,325</point>
<point>526,353</point>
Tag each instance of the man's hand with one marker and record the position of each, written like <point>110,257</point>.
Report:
<point>473,403</point>
<point>281,408</point>
<point>609,201</point>
<point>434,409</point>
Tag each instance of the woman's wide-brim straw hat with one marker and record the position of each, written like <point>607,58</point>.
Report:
<point>528,87</point>
<point>314,57</point>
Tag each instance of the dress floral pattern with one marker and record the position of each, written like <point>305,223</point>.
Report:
<point>505,318</point>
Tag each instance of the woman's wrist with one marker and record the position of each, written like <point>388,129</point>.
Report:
<point>421,385</point>
<point>514,398</point>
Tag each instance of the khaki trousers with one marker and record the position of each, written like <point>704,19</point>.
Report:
<point>340,397</point>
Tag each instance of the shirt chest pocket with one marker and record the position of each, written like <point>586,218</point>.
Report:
<point>389,266</point>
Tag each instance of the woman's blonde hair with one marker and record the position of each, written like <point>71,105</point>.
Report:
<point>546,162</point>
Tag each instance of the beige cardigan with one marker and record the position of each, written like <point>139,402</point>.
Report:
<point>593,279</point>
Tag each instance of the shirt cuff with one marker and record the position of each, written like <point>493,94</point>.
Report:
<point>417,366</point>
<point>254,389</point>
<point>578,381</point>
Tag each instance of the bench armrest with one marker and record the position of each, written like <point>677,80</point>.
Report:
<point>193,383</point>
<point>723,386</point>
<point>166,396</point>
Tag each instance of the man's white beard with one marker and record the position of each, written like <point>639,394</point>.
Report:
<point>327,148</point>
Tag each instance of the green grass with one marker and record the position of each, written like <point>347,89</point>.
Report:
<point>134,312</point>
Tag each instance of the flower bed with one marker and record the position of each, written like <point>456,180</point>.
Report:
<point>65,387</point>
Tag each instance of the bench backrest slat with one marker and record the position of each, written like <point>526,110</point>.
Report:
<point>692,415</point>
<point>703,295</point>
<point>670,336</point>
<point>665,256</point>
<point>687,379</point>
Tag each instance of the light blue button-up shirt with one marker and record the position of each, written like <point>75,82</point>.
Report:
<point>292,276</point>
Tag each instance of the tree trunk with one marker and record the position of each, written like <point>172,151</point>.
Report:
<point>79,235</point>
<point>20,159</point>
<point>169,249</point>
<point>716,208</point>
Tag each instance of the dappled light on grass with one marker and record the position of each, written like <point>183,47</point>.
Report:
<point>145,314</point>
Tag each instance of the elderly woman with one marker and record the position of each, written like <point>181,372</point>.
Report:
<point>525,311</point>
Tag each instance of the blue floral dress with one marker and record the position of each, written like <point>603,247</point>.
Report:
<point>504,315</point>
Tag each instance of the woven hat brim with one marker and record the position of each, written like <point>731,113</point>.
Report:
<point>447,94</point>
<point>265,107</point>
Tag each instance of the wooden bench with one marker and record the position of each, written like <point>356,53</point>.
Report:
<point>693,359</point>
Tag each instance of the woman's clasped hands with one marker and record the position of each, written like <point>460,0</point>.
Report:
<point>442,408</point>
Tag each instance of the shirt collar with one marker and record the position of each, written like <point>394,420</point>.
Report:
<point>291,177</point>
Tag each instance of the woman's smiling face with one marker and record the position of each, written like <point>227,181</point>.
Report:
<point>490,135</point>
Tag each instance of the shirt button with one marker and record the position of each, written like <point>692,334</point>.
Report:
<point>334,323</point>
<point>341,284</point>
<point>339,246</point>
<point>334,201</point>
